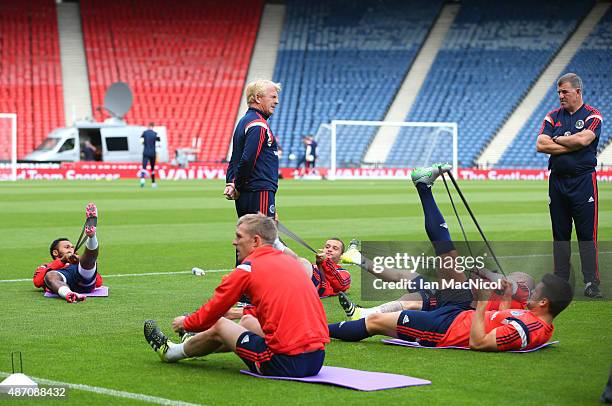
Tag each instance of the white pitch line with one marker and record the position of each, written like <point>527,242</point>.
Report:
<point>227,270</point>
<point>129,274</point>
<point>110,392</point>
<point>163,273</point>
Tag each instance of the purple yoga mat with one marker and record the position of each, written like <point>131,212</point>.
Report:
<point>354,379</point>
<point>102,291</point>
<point>397,341</point>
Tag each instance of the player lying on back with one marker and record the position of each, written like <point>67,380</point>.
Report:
<point>288,336</point>
<point>453,322</point>
<point>69,275</point>
<point>327,275</point>
<point>422,298</point>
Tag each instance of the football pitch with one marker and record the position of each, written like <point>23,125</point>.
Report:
<point>150,239</point>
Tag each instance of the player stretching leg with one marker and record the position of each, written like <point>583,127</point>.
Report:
<point>426,299</point>
<point>453,322</point>
<point>438,234</point>
<point>69,275</point>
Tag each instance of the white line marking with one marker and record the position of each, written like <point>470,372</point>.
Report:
<point>227,270</point>
<point>163,273</point>
<point>129,274</point>
<point>110,392</point>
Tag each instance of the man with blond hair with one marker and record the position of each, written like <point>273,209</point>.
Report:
<point>252,173</point>
<point>288,336</point>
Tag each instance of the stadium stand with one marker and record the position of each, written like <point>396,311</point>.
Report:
<point>492,54</point>
<point>185,62</point>
<point>593,63</point>
<point>30,71</point>
<point>344,60</point>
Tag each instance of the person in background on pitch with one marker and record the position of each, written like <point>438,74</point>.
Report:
<point>69,275</point>
<point>453,322</point>
<point>306,164</point>
<point>149,140</point>
<point>310,155</point>
<point>287,339</point>
<point>570,135</point>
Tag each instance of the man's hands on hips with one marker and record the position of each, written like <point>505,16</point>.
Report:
<point>230,192</point>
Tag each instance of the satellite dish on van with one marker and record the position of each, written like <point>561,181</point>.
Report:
<point>118,99</point>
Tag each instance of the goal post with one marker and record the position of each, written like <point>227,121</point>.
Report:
<point>429,142</point>
<point>8,146</point>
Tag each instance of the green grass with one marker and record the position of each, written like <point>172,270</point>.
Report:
<point>185,224</point>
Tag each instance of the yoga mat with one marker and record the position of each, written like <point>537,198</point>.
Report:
<point>102,291</point>
<point>353,379</point>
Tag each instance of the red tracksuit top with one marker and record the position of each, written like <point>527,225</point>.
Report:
<point>288,306</point>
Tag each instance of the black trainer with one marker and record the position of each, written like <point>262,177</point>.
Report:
<point>347,305</point>
<point>591,290</point>
<point>156,339</point>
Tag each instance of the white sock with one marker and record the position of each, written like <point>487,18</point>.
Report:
<point>63,291</point>
<point>175,352</point>
<point>87,274</point>
<point>92,243</point>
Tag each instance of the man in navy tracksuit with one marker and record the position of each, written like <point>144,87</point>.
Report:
<point>570,135</point>
<point>252,173</point>
<point>149,140</point>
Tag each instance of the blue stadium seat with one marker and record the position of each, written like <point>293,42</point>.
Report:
<point>491,56</point>
<point>593,63</point>
<point>344,59</point>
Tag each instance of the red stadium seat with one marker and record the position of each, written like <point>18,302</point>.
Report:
<point>30,68</point>
<point>185,62</point>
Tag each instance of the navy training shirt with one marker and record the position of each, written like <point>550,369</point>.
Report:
<point>149,138</point>
<point>254,162</point>
<point>561,123</point>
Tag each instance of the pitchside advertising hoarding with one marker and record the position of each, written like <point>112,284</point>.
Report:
<point>113,171</point>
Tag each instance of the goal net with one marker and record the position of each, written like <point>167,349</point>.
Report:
<point>8,146</point>
<point>349,148</point>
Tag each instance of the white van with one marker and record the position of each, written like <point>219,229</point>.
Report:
<point>114,140</point>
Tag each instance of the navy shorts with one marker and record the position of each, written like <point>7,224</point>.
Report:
<point>256,202</point>
<point>445,297</point>
<point>254,351</point>
<point>148,160</point>
<point>75,280</point>
<point>429,326</point>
